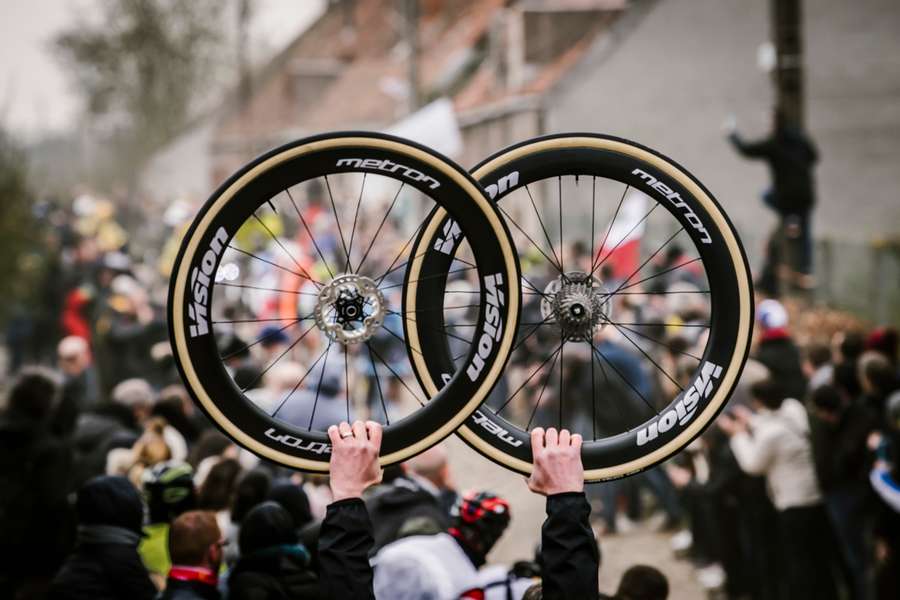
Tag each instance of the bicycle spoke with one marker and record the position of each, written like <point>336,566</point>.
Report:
<point>278,358</point>
<point>648,357</point>
<point>312,415</point>
<point>562,245</point>
<point>265,289</point>
<point>274,264</point>
<point>347,382</point>
<point>298,384</point>
<point>309,233</point>
<point>541,222</point>
<point>378,385</point>
<point>562,372</point>
<point>435,329</point>
<point>258,340</point>
<point>337,220</point>
<point>398,337</point>
<point>391,268</point>
<point>625,379</point>
<point>353,229</point>
<point>530,377</point>
<point>649,258</point>
<point>663,272</point>
<point>594,260</point>
<point>394,373</point>
<point>546,321</point>
<point>625,237</point>
<point>280,245</point>
<point>533,243</point>
<point>282,319</point>
<point>656,341</point>
<point>541,396</point>
<point>380,225</point>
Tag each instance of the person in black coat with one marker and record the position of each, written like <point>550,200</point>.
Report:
<point>36,521</point>
<point>273,565</point>
<point>105,563</point>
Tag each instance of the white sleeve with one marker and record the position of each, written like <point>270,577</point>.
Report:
<point>886,487</point>
<point>754,454</point>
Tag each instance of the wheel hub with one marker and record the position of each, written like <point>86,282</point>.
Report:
<point>578,304</point>
<point>350,309</point>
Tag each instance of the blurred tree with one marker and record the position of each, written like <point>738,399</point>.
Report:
<point>18,230</point>
<point>144,69</point>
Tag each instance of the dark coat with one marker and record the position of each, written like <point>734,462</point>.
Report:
<point>279,573</point>
<point>570,559</point>
<point>189,590</point>
<point>101,571</point>
<point>781,357</point>
<point>345,542</point>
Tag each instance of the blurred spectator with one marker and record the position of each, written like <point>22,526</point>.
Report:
<point>75,362</point>
<point>217,490</point>
<point>840,429</point>
<point>443,565</point>
<point>169,492</point>
<point>195,545</point>
<point>411,503</point>
<point>252,489</point>
<point>774,441</point>
<point>293,499</point>
<point>884,340</point>
<point>642,582</point>
<point>273,564</point>
<point>817,366</point>
<point>776,350</point>
<point>34,475</point>
<point>877,379</point>
<point>105,563</point>
<point>791,156</point>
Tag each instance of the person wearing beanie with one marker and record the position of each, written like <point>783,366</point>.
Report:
<point>105,562</point>
<point>273,565</point>
<point>195,547</point>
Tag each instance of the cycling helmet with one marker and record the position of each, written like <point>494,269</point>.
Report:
<point>168,490</point>
<point>477,520</point>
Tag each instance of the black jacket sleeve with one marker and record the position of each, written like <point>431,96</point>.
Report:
<point>570,559</point>
<point>759,149</point>
<point>344,544</point>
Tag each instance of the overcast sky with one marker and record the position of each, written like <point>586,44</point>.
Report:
<point>35,95</point>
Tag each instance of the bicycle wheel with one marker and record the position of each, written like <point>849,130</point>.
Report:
<point>636,321</point>
<point>285,304</point>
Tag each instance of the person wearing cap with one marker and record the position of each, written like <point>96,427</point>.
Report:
<point>105,563</point>
<point>776,350</point>
<point>169,491</point>
<point>195,545</point>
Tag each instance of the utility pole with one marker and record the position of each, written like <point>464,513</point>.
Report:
<point>787,34</point>
<point>411,12</point>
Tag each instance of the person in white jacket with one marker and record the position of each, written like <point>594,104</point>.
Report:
<point>773,441</point>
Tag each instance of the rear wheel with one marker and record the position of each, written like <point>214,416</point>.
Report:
<point>637,305</point>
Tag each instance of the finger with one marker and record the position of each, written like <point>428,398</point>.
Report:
<point>551,438</point>
<point>334,435</point>
<point>344,429</point>
<point>537,438</point>
<point>374,430</point>
<point>577,441</point>
<point>359,430</point>
<point>564,437</point>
